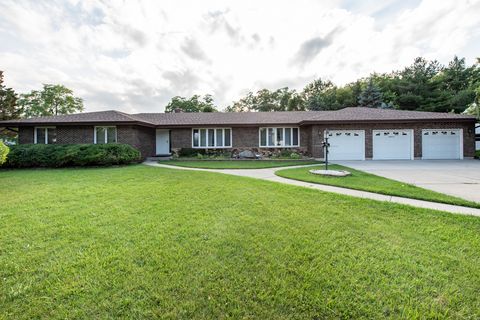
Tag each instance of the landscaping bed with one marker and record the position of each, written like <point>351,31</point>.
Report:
<point>237,164</point>
<point>360,180</point>
<point>140,242</point>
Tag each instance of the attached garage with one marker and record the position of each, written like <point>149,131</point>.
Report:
<point>346,144</point>
<point>442,144</point>
<point>394,144</point>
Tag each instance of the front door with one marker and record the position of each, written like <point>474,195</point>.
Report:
<point>163,142</point>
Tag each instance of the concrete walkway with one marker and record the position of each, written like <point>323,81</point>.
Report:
<point>269,175</point>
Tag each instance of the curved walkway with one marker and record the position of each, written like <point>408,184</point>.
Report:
<point>269,175</point>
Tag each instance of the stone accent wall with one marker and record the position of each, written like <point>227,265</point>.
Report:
<point>316,135</point>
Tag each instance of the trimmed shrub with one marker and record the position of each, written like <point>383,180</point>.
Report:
<point>190,152</point>
<point>69,155</point>
<point>4,150</point>
<point>203,153</point>
<point>295,155</point>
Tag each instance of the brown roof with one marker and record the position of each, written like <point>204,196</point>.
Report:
<point>242,118</point>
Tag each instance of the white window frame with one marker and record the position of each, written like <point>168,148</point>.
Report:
<point>106,134</point>
<point>275,137</point>
<point>214,139</point>
<point>46,134</point>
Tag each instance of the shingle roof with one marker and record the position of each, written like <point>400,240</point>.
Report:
<point>242,118</point>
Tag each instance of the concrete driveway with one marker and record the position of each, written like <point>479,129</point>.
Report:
<point>459,178</point>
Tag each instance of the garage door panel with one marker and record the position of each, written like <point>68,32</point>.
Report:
<point>442,144</point>
<point>393,144</point>
<point>346,144</point>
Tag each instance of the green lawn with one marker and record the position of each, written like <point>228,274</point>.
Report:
<point>360,180</point>
<point>237,164</point>
<point>145,242</point>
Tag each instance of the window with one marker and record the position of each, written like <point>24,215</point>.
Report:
<point>45,135</point>
<point>104,135</point>
<point>279,137</point>
<point>212,138</point>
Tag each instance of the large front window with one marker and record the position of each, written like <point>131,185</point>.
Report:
<point>212,138</point>
<point>104,135</point>
<point>45,135</point>
<point>279,137</point>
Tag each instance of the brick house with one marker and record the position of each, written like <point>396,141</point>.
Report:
<point>354,133</point>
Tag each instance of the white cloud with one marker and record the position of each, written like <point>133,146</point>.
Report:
<point>135,55</point>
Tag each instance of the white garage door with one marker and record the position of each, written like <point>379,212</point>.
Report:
<point>393,144</point>
<point>346,144</point>
<point>442,144</point>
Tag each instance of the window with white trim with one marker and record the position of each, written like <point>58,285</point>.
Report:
<point>211,138</point>
<point>104,135</point>
<point>45,135</point>
<point>279,137</point>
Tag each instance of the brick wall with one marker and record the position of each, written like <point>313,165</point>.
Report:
<point>25,135</point>
<point>316,135</point>
<point>142,138</point>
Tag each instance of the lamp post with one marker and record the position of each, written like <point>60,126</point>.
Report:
<point>326,145</point>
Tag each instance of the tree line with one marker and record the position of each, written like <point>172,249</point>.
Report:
<point>425,85</point>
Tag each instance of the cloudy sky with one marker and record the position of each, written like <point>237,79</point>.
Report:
<point>135,56</point>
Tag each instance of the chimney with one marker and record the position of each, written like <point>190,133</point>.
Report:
<point>178,110</point>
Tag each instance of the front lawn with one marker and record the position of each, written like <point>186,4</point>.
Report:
<point>142,242</point>
<point>360,180</point>
<point>237,164</point>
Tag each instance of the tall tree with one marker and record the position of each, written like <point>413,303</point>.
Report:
<point>195,104</point>
<point>8,102</point>
<point>282,99</point>
<point>51,100</point>
<point>371,96</point>
<point>320,95</point>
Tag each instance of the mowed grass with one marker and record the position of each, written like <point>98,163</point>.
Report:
<point>360,180</point>
<point>237,164</point>
<point>143,242</point>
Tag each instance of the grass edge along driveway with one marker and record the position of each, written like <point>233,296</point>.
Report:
<point>360,180</point>
<point>143,242</point>
<point>237,164</point>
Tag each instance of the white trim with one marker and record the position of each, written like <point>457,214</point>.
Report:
<point>106,134</point>
<point>412,141</point>
<point>214,138</point>
<point>460,149</point>
<point>46,133</point>
<point>275,137</point>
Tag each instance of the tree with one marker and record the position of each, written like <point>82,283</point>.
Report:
<point>194,104</point>
<point>8,102</point>
<point>264,100</point>
<point>8,110</point>
<point>371,96</point>
<point>51,100</point>
<point>320,95</point>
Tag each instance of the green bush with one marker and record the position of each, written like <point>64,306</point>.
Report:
<point>204,153</point>
<point>190,152</point>
<point>4,150</point>
<point>295,155</point>
<point>477,154</point>
<point>68,155</point>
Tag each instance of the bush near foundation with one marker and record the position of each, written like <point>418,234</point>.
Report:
<point>71,155</point>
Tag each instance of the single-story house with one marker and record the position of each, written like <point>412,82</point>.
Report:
<point>354,133</point>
